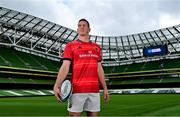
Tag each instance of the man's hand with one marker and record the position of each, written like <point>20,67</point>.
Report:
<point>106,95</point>
<point>57,92</point>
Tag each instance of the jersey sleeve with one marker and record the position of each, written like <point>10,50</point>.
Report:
<point>67,52</point>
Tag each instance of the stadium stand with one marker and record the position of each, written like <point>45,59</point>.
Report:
<point>23,70</point>
<point>12,58</point>
<point>31,49</point>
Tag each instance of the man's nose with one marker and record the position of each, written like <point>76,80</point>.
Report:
<point>82,27</point>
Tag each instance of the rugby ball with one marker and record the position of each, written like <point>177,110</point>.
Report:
<point>66,90</point>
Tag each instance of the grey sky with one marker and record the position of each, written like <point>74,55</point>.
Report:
<point>107,17</point>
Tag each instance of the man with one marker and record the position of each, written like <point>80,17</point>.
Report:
<point>87,72</point>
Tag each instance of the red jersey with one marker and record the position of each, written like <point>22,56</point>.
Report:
<point>84,57</point>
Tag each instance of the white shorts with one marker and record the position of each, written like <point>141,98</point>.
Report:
<point>79,102</point>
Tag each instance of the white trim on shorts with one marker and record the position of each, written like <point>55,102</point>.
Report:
<point>79,102</point>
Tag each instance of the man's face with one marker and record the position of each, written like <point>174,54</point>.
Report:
<point>83,28</point>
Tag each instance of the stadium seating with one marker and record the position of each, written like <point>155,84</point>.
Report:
<point>153,72</point>
<point>130,74</point>
<point>19,69</point>
<point>12,58</point>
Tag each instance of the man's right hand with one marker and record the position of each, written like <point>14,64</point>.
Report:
<point>57,92</point>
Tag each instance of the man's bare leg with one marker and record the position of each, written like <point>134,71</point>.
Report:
<point>74,114</point>
<point>91,114</point>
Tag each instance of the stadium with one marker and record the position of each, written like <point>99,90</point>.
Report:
<point>142,70</point>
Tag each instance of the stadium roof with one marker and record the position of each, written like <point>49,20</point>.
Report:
<point>32,34</point>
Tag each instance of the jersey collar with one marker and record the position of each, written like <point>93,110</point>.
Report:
<point>83,41</point>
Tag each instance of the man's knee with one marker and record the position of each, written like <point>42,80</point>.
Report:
<point>71,114</point>
<point>92,114</point>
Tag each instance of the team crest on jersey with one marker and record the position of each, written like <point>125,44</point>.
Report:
<point>96,48</point>
<point>79,47</point>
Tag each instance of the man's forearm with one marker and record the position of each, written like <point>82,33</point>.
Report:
<point>103,82</point>
<point>61,75</point>
<point>101,77</point>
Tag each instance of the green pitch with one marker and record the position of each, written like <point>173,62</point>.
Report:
<point>119,105</point>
